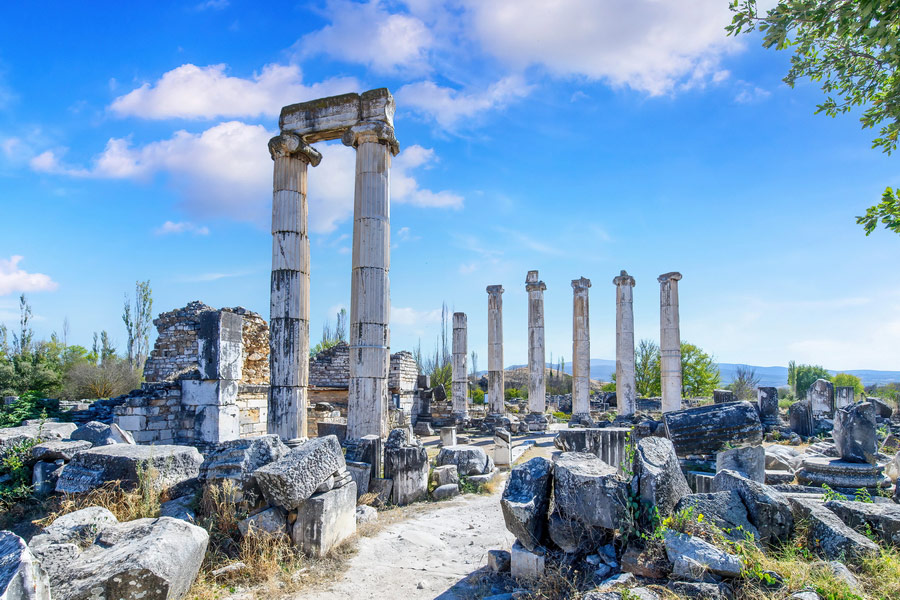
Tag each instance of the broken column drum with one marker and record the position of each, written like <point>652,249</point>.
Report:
<point>370,295</point>
<point>364,122</point>
<point>289,309</point>
<point>537,386</point>
<point>626,395</point>
<point>460,383</point>
<point>669,341</point>
<point>495,349</point>
<point>581,348</point>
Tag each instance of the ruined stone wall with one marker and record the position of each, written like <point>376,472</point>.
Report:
<point>253,402</point>
<point>331,368</point>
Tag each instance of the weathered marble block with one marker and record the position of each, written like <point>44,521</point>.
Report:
<point>325,520</point>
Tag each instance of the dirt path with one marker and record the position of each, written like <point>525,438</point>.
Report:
<point>424,556</point>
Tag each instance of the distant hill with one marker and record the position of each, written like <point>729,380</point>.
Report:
<point>602,369</point>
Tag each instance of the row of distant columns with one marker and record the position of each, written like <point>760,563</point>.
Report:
<point>626,394</point>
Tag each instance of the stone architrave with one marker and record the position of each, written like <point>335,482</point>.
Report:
<point>537,365</point>
<point>370,294</point>
<point>289,310</point>
<point>495,349</point>
<point>626,395</point>
<point>669,341</point>
<point>581,348</point>
<point>459,386</point>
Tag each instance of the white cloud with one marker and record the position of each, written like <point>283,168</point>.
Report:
<point>448,107</point>
<point>404,187</point>
<point>170,227</point>
<point>193,92</point>
<point>366,33</point>
<point>226,172</point>
<point>750,93</point>
<point>648,45</point>
<point>14,279</point>
<point>410,317</point>
<point>213,4</point>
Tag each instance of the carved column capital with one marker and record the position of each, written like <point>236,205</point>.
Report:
<point>494,289</point>
<point>673,276</point>
<point>625,279</point>
<point>579,285</point>
<point>288,144</point>
<point>371,131</point>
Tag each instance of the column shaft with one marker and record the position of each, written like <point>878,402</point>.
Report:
<point>495,349</point>
<point>581,348</point>
<point>537,363</point>
<point>669,342</point>
<point>626,395</point>
<point>289,300</point>
<point>460,379</point>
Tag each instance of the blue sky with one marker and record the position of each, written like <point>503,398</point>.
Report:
<point>577,137</point>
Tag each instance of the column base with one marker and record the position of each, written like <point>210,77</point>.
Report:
<point>581,420</point>
<point>536,421</point>
<point>296,442</point>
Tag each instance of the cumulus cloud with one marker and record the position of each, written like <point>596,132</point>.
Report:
<point>226,172</point>
<point>192,92</point>
<point>404,187</point>
<point>652,46</point>
<point>14,279</point>
<point>367,33</point>
<point>412,317</point>
<point>447,106</point>
<point>170,227</point>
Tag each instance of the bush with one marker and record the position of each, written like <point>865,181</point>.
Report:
<point>31,405</point>
<point>14,466</point>
<point>112,378</point>
<point>477,396</point>
<point>513,393</point>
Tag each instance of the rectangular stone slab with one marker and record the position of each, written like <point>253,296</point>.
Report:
<point>329,118</point>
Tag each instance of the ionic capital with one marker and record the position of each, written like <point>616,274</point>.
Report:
<point>288,144</point>
<point>673,276</point>
<point>495,290</point>
<point>371,131</point>
<point>540,286</point>
<point>582,284</point>
<point>625,279</point>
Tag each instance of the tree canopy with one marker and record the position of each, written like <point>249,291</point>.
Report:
<point>850,47</point>
<point>699,371</point>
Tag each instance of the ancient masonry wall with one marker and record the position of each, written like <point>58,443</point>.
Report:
<point>160,413</point>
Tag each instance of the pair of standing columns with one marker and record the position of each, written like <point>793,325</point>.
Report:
<point>364,122</point>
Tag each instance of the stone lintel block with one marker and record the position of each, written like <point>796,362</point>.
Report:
<point>328,118</point>
<point>220,345</point>
<point>325,520</point>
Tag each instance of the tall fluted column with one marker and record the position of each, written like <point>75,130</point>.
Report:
<point>669,342</point>
<point>626,395</point>
<point>460,380</point>
<point>370,294</point>
<point>495,349</point>
<point>537,363</point>
<point>289,306</point>
<point>581,348</point>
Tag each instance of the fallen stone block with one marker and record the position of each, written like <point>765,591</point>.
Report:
<point>882,519</point>
<point>828,535</point>
<point>526,500</point>
<point>749,461</point>
<point>800,414</point>
<point>361,474</point>
<point>526,564</point>
<point>709,429</point>
<point>854,433</point>
<point>645,564</point>
<point>469,460</point>
<point>169,468</point>
<point>382,488</point>
<point>408,468</point>
<point>725,510</point>
<point>710,558</point>
<point>44,476</point>
<point>88,557</point>
<point>574,537</point>
<point>235,461</point>
<point>180,508</point>
<point>779,477</point>
<point>448,436</point>
<point>272,521</point>
<point>701,591</point>
<point>10,437</point>
<point>325,520</point>
<point>59,449</point>
<point>21,575</point>
<point>660,480</point>
<point>781,458</point>
<point>445,492</point>
<point>588,490</point>
<point>366,514</point>
<point>480,480</point>
<point>444,475</point>
<point>768,510</point>
<point>293,478</point>
<point>498,561</point>
<point>101,434</point>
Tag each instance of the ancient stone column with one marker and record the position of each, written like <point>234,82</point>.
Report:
<point>626,395</point>
<point>581,349</point>
<point>495,349</point>
<point>669,342</point>
<point>289,316</point>
<point>537,364</point>
<point>460,379</point>
<point>370,295</point>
